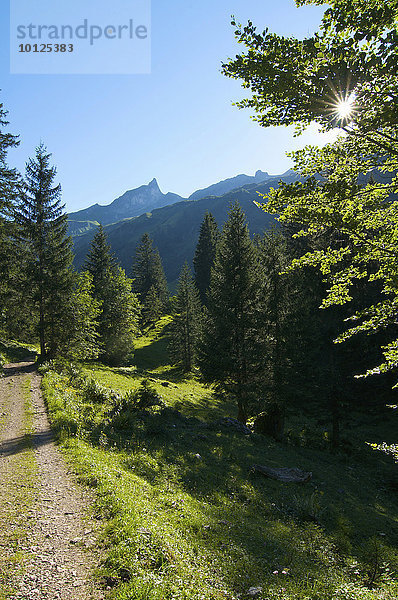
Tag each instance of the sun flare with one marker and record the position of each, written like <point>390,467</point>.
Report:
<point>345,108</point>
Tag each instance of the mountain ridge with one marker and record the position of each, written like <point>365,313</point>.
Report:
<point>130,204</point>
<point>232,183</point>
<point>175,227</point>
<point>148,197</point>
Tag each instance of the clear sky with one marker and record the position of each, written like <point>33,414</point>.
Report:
<point>110,133</point>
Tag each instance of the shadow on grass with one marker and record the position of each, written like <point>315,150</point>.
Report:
<point>273,524</point>
<point>16,352</point>
<point>209,407</point>
<point>172,374</point>
<point>152,356</point>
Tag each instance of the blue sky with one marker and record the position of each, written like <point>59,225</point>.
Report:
<point>110,133</point>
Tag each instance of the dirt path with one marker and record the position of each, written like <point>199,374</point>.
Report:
<point>44,525</point>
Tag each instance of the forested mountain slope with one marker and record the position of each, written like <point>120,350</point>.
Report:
<point>175,228</point>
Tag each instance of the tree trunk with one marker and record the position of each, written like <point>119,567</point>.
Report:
<point>335,412</point>
<point>242,415</point>
<point>334,403</point>
<point>41,331</point>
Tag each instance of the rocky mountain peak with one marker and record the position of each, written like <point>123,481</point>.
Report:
<point>261,175</point>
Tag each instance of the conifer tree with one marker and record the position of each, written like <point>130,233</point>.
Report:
<point>149,281</point>
<point>205,254</point>
<point>276,305</point>
<point>99,261</point>
<point>231,352</point>
<point>291,322</point>
<point>119,312</point>
<point>9,178</point>
<point>119,318</point>
<point>152,308</point>
<point>78,327</point>
<point>186,326</point>
<point>9,182</point>
<point>43,232</point>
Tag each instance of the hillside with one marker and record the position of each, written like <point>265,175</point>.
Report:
<point>131,204</point>
<point>148,197</point>
<point>79,227</point>
<point>233,183</point>
<point>175,228</point>
<point>183,514</point>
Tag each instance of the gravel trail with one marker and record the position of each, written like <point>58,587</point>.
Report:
<point>59,548</point>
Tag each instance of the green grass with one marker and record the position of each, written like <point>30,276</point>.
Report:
<point>181,391</point>
<point>184,517</point>
<point>13,351</point>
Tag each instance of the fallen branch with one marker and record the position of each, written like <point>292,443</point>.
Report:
<point>283,474</point>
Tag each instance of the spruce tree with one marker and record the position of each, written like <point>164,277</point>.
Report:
<point>205,254</point>
<point>78,327</point>
<point>152,308</point>
<point>289,313</point>
<point>99,261</point>
<point>232,350</point>
<point>9,178</point>
<point>119,318</point>
<point>43,232</point>
<point>119,312</point>
<point>186,326</point>
<point>9,183</point>
<point>275,305</point>
<point>149,281</point>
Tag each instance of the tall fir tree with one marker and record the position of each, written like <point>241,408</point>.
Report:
<point>149,280</point>
<point>99,261</point>
<point>290,314</point>
<point>119,318</point>
<point>119,306</point>
<point>9,184</point>
<point>231,352</point>
<point>153,306</point>
<point>48,261</point>
<point>9,178</point>
<point>276,298</point>
<point>186,326</point>
<point>205,254</point>
<point>78,327</point>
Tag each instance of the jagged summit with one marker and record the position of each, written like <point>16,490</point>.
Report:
<point>130,204</point>
<point>261,175</point>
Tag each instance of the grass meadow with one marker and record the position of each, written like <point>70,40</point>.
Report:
<point>184,517</point>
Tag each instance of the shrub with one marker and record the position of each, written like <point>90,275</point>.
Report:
<point>95,392</point>
<point>123,413</point>
<point>144,397</point>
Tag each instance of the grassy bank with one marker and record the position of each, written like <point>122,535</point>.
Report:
<point>13,351</point>
<point>184,516</point>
